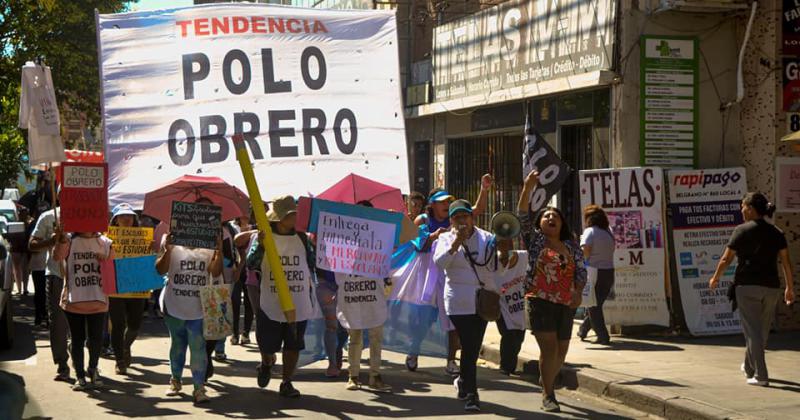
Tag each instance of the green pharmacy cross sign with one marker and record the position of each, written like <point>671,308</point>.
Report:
<point>669,101</point>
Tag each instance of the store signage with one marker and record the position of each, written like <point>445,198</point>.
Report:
<point>633,199</point>
<point>791,27</point>
<point>787,184</point>
<point>791,84</point>
<point>521,42</point>
<point>669,101</point>
<point>705,209</point>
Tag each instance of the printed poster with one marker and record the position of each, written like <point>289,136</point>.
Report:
<point>705,208</point>
<point>84,197</point>
<point>633,199</point>
<point>354,245</point>
<point>787,185</point>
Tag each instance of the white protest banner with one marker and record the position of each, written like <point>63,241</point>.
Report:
<point>354,245</point>
<point>38,113</point>
<point>315,94</point>
<point>633,199</point>
<point>705,209</point>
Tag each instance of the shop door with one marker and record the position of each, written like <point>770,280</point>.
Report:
<point>422,167</point>
<point>576,151</point>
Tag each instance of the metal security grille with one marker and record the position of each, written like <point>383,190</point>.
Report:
<point>469,158</point>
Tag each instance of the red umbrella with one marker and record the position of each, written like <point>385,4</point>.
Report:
<point>190,188</point>
<point>354,189</point>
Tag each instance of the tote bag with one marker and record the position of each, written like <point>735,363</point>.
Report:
<point>589,296</point>
<point>217,310</point>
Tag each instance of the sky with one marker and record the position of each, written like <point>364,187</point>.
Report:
<point>159,4</point>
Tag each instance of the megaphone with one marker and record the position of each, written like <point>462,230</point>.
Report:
<point>505,225</point>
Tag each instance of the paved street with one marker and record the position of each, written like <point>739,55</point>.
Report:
<point>426,393</point>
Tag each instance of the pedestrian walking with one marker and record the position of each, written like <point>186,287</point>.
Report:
<point>83,300</point>
<point>241,241</point>
<point>37,266</point>
<point>273,332</point>
<point>416,205</point>
<point>43,239</point>
<point>183,312</point>
<point>553,286</point>
<point>758,246</point>
<point>511,281</point>
<point>125,310</point>
<point>20,254</point>
<point>335,335</point>
<point>463,252</point>
<point>597,243</point>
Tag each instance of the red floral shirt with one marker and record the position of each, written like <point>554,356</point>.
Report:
<point>553,277</point>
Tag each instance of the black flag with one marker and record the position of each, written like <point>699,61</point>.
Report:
<point>538,155</point>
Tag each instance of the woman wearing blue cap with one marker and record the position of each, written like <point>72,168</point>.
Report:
<point>125,310</point>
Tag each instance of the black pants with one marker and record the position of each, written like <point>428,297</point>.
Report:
<point>510,345</point>
<point>239,289</point>
<point>470,329</point>
<point>126,319</point>
<point>82,326</point>
<point>594,318</point>
<point>39,296</point>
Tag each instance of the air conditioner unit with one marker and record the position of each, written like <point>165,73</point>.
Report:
<point>418,94</point>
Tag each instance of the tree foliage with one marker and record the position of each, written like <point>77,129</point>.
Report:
<point>62,33</point>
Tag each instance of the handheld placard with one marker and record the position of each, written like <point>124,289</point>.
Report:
<point>284,297</point>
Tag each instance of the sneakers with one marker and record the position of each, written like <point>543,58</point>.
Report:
<point>745,372</point>
<point>376,384</point>
<point>263,375</point>
<point>332,371</point>
<point>220,357</point>
<point>199,396</point>
<point>245,340</point>
<point>353,384</point>
<point>473,403</point>
<point>287,390</point>
<point>234,340</point>
<point>80,384</point>
<point>174,387</point>
<point>94,378</point>
<point>459,386</point>
<point>550,405</point>
<point>582,335</point>
<point>411,363</point>
<point>63,374</point>
<point>756,382</point>
<point>452,368</point>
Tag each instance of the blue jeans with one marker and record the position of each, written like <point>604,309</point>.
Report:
<point>185,334</point>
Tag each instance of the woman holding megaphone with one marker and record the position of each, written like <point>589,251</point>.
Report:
<point>553,286</point>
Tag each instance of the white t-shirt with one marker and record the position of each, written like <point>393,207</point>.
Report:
<point>511,282</point>
<point>45,227</point>
<point>188,273</point>
<point>460,282</point>
<point>298,276</point>
<point>83,269</point>
<point>360,302</point>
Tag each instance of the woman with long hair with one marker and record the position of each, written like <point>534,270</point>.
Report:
<point>758,245</point>
<point>553,286</point>
<point>597,243</point>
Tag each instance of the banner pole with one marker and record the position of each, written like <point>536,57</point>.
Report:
<point>270,250</point>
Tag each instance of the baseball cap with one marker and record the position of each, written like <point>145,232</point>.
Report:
<point>281,207</point>
<point>440,196</point>
<point>122,209</point>
<point>460,206</point>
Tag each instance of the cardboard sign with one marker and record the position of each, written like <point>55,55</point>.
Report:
<point>352,242</point>
<point>84,197</point>
<point>553,172</point>
<point>195,225</point>
<point>137,274</point>
<point>131,241</point>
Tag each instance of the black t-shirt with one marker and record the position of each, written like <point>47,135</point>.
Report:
<point>757,244</point>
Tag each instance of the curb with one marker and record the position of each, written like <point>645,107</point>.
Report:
<point>624,389</point>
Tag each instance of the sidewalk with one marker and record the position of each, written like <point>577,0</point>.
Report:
<point>676,377</point>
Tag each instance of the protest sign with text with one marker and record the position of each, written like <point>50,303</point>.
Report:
<point>291,80</point>
<point>131,241</point>
<point>84,197</point>
<point>705,210</point>
<point>354,239</point>
<point>633,199</point>
<point>553,172</point>
<point>195,225</point>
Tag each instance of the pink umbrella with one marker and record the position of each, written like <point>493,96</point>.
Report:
<point>190,188</point>
<point>354,189</point>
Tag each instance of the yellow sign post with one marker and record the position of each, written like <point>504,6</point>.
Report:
<point>284,296</point>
